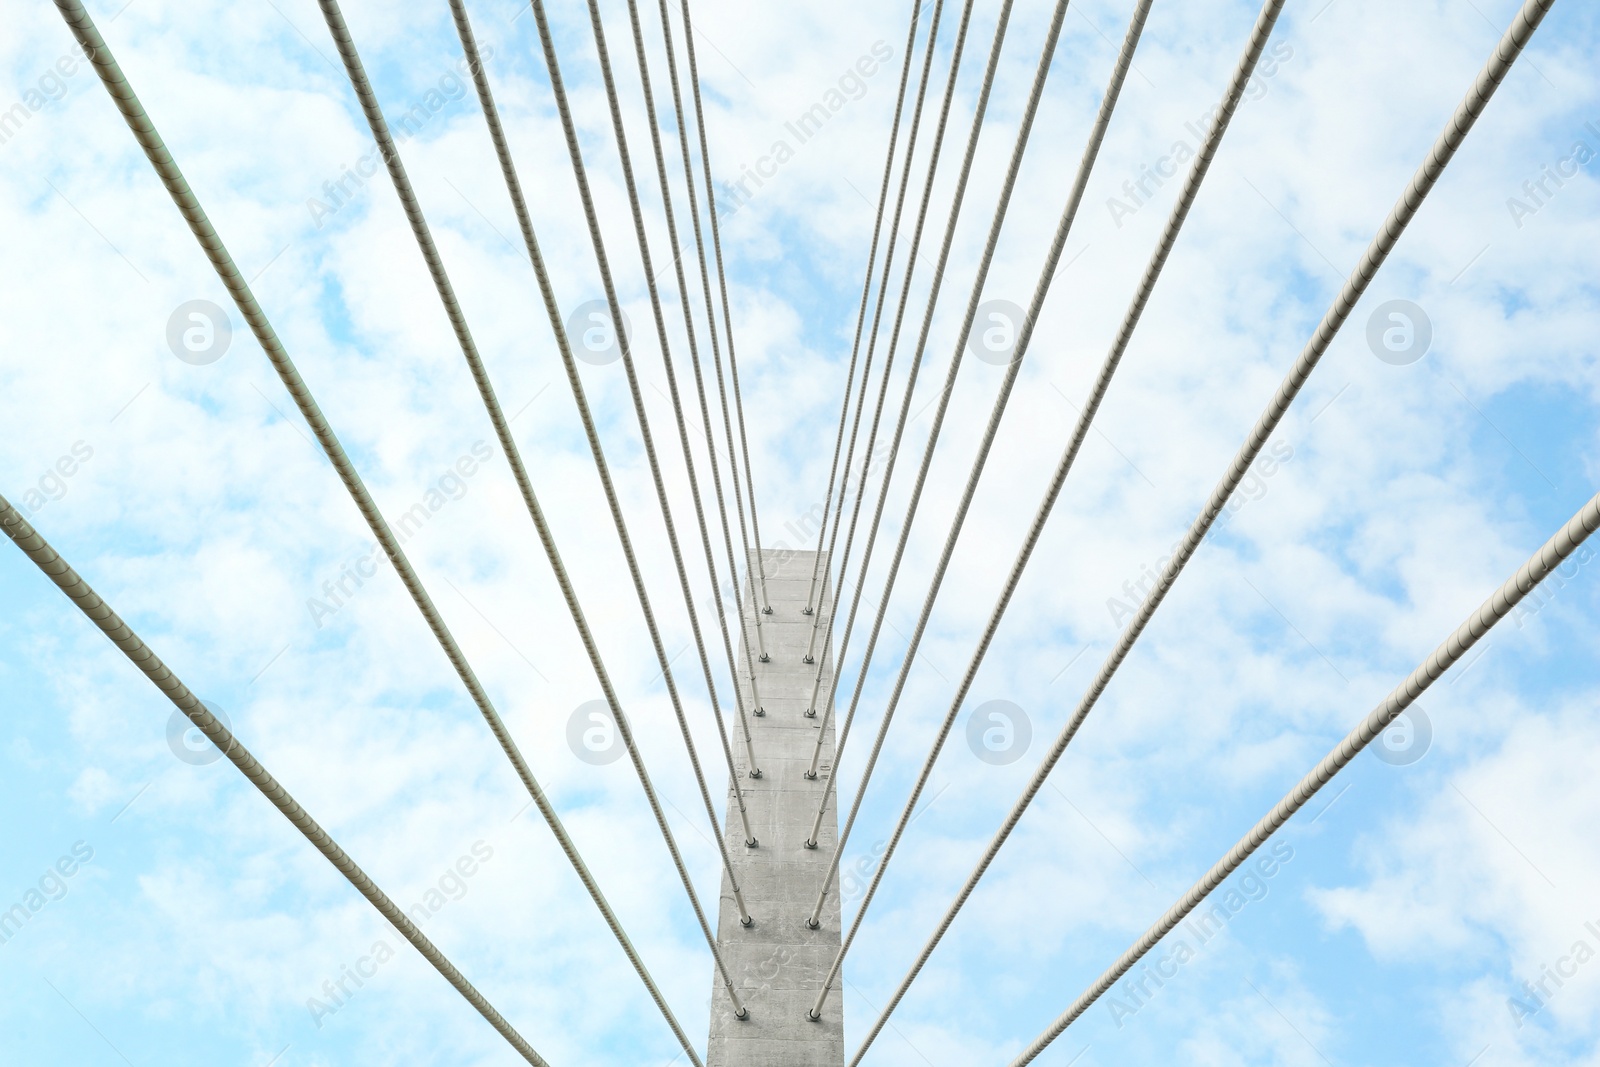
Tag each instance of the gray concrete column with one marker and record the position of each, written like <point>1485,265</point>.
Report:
<point>778,964</point>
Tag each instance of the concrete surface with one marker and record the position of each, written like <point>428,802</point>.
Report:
<point>778,963</point>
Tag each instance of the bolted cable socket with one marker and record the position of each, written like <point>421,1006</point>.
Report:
<point>767,610</point>
<point>806,610</point>
<point>811,845</point>
<point>810,658</point>
<point>751,843</point>
<point>748,921</point>
<point>756,773</point>
<point>744,1013</point>
<point>810,713</point>
<point>765,658</point>
<point>814,925</point>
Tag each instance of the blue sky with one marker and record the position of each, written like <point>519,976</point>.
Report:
<point>1414,907</point>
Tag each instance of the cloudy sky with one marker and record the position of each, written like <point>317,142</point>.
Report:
<point>1418,917</point>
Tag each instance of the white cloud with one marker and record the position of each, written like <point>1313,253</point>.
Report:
<point>207,518</point>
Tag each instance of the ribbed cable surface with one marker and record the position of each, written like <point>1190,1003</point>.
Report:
<point>194,215</point>
<point>738,499</point>
<point>603,261</point>
<point>1035,94</point>
<point>1469,633</point>
<point>705,416</point>
<point>688,453</point>
<point>1191,188</point>
<point>36,548</point>
<point>683,433</point>
<point>638,395</point>
<point>957,49</point>
<point>957,200</point>
<point>1388,235</point>
<point>655,299</point>
<point>345,43</point>
<point>722,394</point>
<point>744,450</point>
<point>727,320</point>
<point>1108,104</point>
<point>866,373</point>
<point>866,292</point>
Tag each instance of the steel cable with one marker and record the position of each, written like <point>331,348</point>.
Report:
<point>866,372</point>
<point>744,532</point>
<point>666,359</point>
<point>957,201</point>
<point>1035,94</point>
<point>580,173</point>
<point>1422,182</point>
<point>727,319</point>
<point>655,302</point>
<point>1469,633</point>
<point>957,50</point>
<point>683,432</point>
<point>866,292</point>
<point>36,548</point>
<point>650,282</point>
<point>705,410</point>
<point>345,43</point>
<point>1169,236</point>
<point>155,150</point>
<point>1208,149</point>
